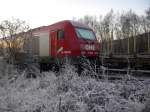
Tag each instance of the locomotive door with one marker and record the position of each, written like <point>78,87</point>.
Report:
<point>60,42</point>
<point>53,41</point>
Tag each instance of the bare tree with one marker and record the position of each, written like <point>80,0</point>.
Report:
<point>108,30</point>
<point>13,33</point>
<point>129,22</point>
<point>148,13</point>
<point>148,24</point>
<point>143,25</point>
<point>135,26</point>
<point>1,47</point>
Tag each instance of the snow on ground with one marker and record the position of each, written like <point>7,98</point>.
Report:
<point>67,92</point>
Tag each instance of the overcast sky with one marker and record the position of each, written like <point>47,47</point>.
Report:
<point>44,12</point>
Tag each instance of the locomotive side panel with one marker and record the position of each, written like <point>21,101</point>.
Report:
<point>44,44</point>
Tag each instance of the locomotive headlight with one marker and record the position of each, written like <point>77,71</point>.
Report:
<point>89,47</point>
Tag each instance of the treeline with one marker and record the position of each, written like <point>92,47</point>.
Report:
<point>118,25</point>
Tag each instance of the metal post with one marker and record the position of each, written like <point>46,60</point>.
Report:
<point>134,44</point>
<point>107,46</point>
<point>128,47</point>
<point>148,44</point>
<point>112,40</point>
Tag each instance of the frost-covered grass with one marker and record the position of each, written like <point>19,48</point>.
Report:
<point>67,92</point>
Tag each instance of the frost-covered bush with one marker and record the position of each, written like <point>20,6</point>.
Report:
<point>67,92</point>
<point>147,106</point>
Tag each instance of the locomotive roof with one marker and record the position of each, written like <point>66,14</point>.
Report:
<point>74,23</point>
<point>78,24</point>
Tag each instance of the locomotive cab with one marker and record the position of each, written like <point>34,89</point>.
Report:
<point>87,41</point>
<point>74,40</point>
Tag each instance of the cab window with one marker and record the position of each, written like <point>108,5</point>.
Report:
<point>85,33</point>
<point>60,34</point>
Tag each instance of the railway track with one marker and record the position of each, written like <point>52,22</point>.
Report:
<point>113,74</point>
<point>128,70</point>
<point>101,71</point>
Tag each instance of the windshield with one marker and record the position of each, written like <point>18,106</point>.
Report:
<point>85,34</point>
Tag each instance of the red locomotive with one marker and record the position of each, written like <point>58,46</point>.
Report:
<point>63,39</point>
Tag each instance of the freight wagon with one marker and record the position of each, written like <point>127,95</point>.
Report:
<point>136,49</point>
<point>138,45</point>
